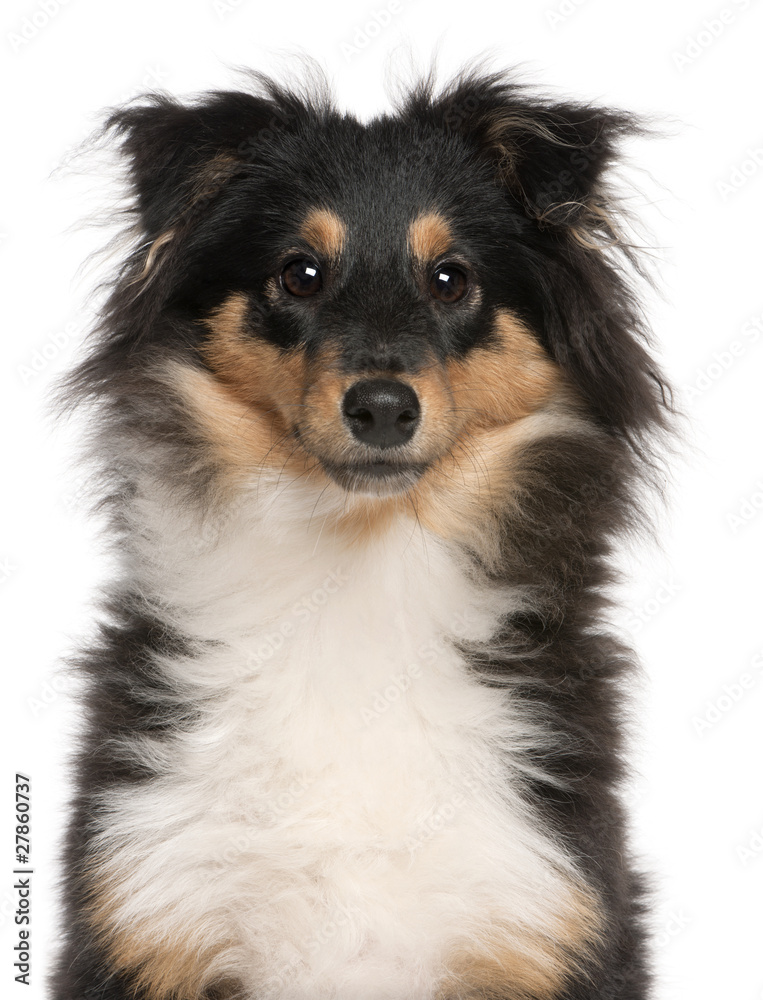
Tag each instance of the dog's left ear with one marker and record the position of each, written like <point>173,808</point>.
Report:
<point>551,157</point>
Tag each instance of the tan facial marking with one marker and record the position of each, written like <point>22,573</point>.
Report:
<point>460,496</point>
<point>474,417</point>
<point>429,237</point>
<point>247,407</point>
<point>499,393</point>
<point>325,231</point>
<point>242,440</point>
<point>323,427</point>
<point>258,373</point>
<point>506,380</point>
<point>466,493</point>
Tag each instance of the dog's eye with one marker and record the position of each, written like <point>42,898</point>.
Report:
<point>301,277</point>
<point>448,284</point>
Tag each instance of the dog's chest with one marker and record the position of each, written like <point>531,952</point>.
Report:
<point>344,770</point>
<point>351,711</point>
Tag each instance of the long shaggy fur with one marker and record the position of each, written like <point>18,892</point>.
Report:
<point>354,717</point>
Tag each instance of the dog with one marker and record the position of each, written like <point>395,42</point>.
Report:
<point>371,403</point>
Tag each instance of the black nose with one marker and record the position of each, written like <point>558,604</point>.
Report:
<point>381,411</point>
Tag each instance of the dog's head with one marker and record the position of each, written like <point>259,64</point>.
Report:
<point>365,301</point>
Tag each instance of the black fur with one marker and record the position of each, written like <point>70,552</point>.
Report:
<point>525,181</point>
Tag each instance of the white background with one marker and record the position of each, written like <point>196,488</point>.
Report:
<point>693,603</point>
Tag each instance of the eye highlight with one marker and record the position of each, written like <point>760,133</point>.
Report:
<point>301,277</point>
<point>448,283</point>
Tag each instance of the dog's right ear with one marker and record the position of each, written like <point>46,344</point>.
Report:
<point>182,156</point>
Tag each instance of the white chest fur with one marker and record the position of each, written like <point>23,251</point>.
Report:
<point>344,812</point>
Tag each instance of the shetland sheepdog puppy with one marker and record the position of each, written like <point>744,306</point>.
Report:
<point>370,403</point>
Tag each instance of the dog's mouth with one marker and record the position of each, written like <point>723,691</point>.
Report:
<point>381,477</point>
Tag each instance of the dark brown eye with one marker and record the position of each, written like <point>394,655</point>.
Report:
<point>301,277</point>
<point>449,284</point>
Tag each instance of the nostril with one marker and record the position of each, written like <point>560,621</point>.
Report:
<point>407,416</point>
<point>381,412</point>
<point>358,413</point>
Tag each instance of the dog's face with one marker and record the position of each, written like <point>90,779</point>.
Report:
<point>364,315</point>
<point>374,304</point>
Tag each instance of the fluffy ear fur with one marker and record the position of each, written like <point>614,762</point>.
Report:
<point>551,156</point>
<point>181,155</point>
<point>552,159</point>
